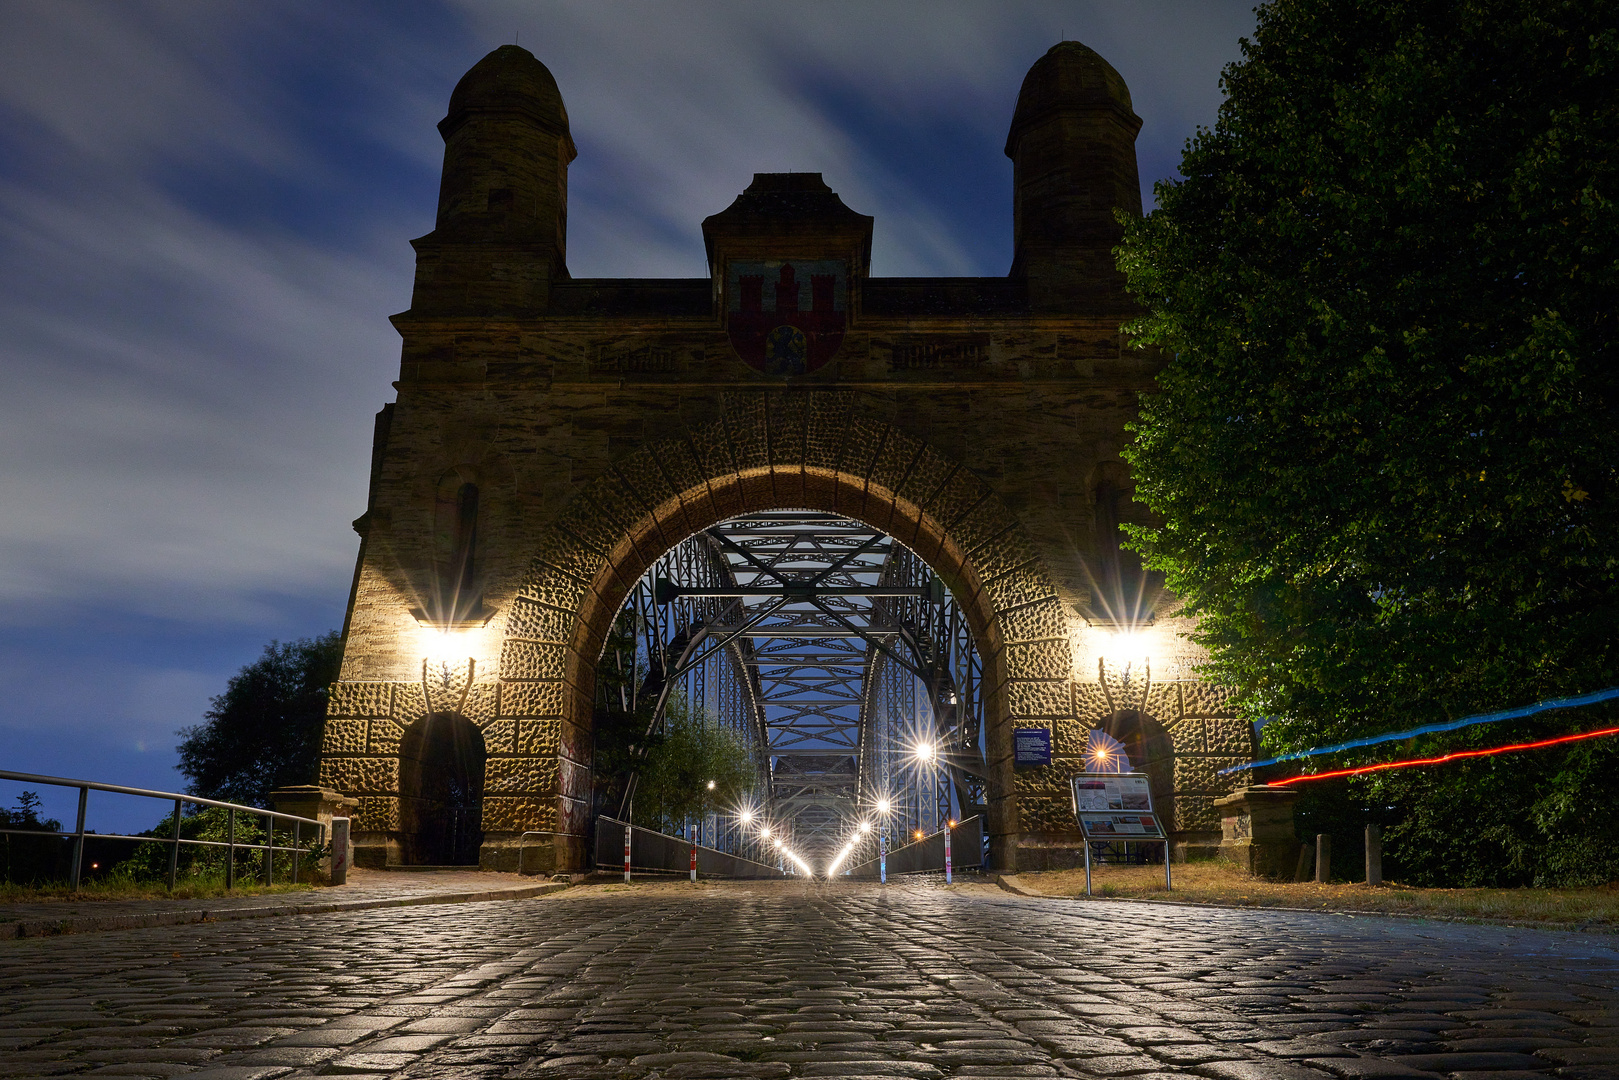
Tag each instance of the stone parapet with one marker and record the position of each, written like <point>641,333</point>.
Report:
<point>1256,830</point>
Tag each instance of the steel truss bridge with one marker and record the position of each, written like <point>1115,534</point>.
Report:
<point>836,654</point>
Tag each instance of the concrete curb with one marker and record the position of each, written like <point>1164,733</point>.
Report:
<point>80,924</point>
<point>1353,913</point>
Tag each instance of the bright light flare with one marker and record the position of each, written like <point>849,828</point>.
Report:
<point>924,751</point>
<point>883,806</point>
<point>865,827</point>
<point>1124,647</point>
<point>711,785</point>
<point>746,816</point>
<point>443,646</point>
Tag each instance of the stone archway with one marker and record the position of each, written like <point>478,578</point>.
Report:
<point>442,761</point>
<point>812,451</point>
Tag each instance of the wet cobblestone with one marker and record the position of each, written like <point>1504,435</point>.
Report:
<point>787,979</point>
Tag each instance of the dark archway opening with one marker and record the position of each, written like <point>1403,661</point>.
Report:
<point>441,763</point>
<point>1150,751</point>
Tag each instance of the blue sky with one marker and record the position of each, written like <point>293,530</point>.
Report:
<point>204,216</point>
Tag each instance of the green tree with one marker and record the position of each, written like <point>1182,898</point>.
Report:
<point>264,731</point>
<point>690,753</point>
<point>1384,455</point>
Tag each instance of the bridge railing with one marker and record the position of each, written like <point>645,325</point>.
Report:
<point>269,847</point>
<point>662,853</point>
<point>927,854</point>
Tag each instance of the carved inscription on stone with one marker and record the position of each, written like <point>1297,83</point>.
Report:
<point>634,360</point>
<point>954,352</point>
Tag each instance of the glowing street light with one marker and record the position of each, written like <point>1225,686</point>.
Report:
<point>925,751</point>
<point>865,827</point>
<point>882,806</point>
<point>746,816</point>
<point>711,785</point>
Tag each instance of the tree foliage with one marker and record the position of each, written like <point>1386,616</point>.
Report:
<point>1384,454</point>
<point>689,753</point>
<point>264,731</point>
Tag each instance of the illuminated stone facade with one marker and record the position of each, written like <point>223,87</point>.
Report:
<point>597,423</point>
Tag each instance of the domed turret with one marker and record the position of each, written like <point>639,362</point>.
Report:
<point>502,226</point>
<point>1072,146</point>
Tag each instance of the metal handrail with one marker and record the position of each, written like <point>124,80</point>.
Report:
<point>269,847</point>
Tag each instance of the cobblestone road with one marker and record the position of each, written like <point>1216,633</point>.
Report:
<point>788,979</point>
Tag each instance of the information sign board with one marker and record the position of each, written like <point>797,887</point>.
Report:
<point>1031,747</point>
<point>1116,806</point>
<point>1120,826</point>
<point>1112,791</point>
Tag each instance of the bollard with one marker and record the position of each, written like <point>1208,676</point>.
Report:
<point>882,858</point>
<point>627,836</point>
<point>947,853</point>
<point>342,850</point>
<point>1306,853</point>
<point>1374,855</point>
<point>1323,857</point>
<point>694,863</point>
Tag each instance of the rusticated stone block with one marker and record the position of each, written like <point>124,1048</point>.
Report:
<point>1025,585</point>
<point>1047,814</point>
<point>1069,737</point>
<point>1187,737</point>
<point>1045,698</point>
<point>539,737</point>
<point>1003,554</point>
<point>1164,703</point>
<point>680,465</point>
<point>1204,699</point>
<point>535,622</point>
<point>377,813</point>
<point>520,775</point>
<point>532,660</point>
<point>359,699</point>
<point>928,473</point>
<point>516,813</point>
<point>1039,660</point>
<point>892,464</point>
<point>960,493</point>
<point>358,775</point>
<point>551,587</point>
<point>564,551</point>
<point>745,426</point>
<point>712,450</point>
<point>1195,812</point>
<point>385,736</point>
<point>343,736</point>
<point>480,702</point>
<point>532,698</point>
<point>410,703</point>
<point>1090,703</point>
<point>982,524</point>
<point>1198,774</point>
<point>1232,736</point>
<point>1047,780</point>
<point>500,736</point>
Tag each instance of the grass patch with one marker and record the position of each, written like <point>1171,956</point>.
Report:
<point>121,888</point>
<point>1219,882</point>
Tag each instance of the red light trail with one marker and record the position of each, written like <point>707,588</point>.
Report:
<point>1453,756</point>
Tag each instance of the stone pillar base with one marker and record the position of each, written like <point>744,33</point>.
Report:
<point>1256,827</point>
<point>314,801</point>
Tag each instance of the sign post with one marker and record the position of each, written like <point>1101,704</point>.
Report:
<point>947,853</point>
<point>694,862</point>
<point>1116,807</point>
<point>882,857</point>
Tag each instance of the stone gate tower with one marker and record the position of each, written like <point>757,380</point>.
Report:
<point>552,436</point>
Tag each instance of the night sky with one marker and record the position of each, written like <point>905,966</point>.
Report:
<point>204,216</point>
